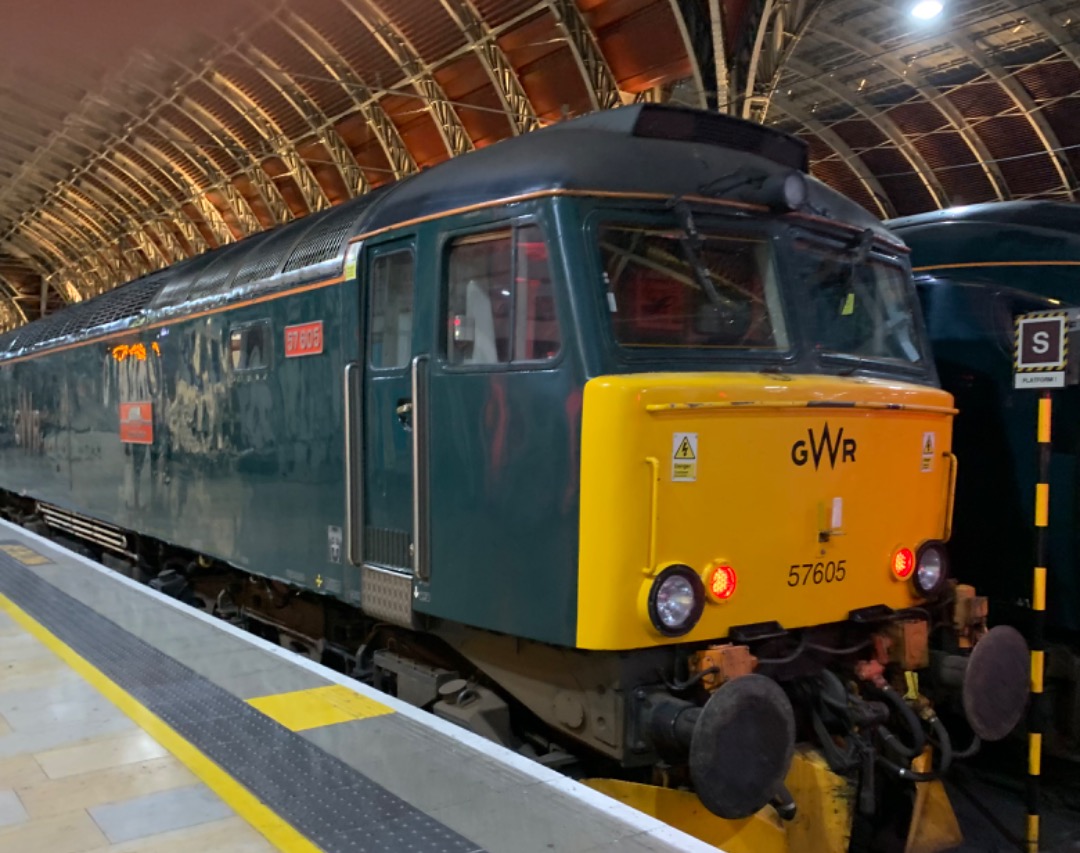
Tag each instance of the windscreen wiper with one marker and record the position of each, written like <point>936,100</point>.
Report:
<point>690,240</point>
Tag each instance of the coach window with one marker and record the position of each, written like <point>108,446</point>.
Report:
<point>391,309</point>
<point>500,300</point>
<point>249,346</point>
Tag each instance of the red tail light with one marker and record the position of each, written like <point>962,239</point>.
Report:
<point>903,563</point>
<point>720,582</point>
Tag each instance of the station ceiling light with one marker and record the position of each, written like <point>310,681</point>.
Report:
<point>926,10</point>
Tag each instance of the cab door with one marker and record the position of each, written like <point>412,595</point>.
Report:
<point>385,546</point>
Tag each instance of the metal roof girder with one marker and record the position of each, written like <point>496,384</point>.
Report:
<point>504,78</point>
<point>884,124</point>
<point>276,144</point>
<point>594,68</point>
<point>1027,106</point>
<point>393,41</point>
<point>831,138</point>
<point>777,35</point>
<point>318,122</point>
<point>397,153</point>
<point>9,292</point>
<point>266,188</point>
<point>914,76</point>
<point>214,177</point>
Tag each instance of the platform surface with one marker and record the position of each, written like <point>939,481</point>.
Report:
<point>130,722</point>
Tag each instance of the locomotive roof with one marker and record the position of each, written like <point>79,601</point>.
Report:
<point>644,148</point>
<point>1046,215</point>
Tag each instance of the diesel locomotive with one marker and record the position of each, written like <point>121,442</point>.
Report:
<point>620,442</point>
<point>977,267</point>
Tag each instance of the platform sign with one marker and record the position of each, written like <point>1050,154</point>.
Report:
<point>1042,348</point>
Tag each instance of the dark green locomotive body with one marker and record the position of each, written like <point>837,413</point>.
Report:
<point>374,427</point>
<point>193,407</point>
<point>976,268</point>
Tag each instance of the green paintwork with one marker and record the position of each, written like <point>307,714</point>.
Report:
<point>246,467</point>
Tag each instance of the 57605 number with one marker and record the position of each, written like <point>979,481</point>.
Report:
<point>801,574</point>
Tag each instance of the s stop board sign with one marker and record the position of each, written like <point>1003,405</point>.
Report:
<point>1041,349</point>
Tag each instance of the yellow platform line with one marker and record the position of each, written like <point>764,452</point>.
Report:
<point>316,707</point>
<point>277,831</point>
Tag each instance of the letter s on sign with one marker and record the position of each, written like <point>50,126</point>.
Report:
<point>1040,343</point>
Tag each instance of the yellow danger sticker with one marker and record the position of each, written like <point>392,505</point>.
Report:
<point>26,556</point>
<point>929,440</point>
<point>684,457</point>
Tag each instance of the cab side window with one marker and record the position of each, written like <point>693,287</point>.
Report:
<point>391,309</point>
<point>249,346</point>
<point>499,299</point>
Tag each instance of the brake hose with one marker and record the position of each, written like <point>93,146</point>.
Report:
<point>914,725</point>
<point>909,775</point>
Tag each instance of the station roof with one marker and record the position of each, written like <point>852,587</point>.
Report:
<point>136,133</point>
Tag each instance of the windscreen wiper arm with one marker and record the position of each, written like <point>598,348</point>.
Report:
<point>690,240</point>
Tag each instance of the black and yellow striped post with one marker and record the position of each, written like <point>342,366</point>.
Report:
<point>1038,620</point>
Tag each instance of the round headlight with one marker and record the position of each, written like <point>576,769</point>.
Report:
<point>676,600</point>
<point>930,569</point>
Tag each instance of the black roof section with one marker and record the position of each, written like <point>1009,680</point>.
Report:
<point>620,150</point>
<point>1047,215</point>
<point>644,148</point>
<point>289,255</point>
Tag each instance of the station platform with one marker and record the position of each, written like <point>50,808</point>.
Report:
<point>130,722</point>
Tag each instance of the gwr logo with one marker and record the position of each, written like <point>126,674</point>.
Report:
<point>823,448</point>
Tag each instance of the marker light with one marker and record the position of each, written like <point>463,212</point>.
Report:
<point>720,581</point>
<point>930,570</point>
<point>676,600</point>
<point>924,10</point>
<point>903,563</point>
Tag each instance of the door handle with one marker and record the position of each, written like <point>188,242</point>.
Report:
<point>404,413</point>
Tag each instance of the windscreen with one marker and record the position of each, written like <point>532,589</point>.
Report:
<point>862,308</point>
<point>715,289</point>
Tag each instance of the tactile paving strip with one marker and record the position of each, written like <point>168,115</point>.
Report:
<point>333,804</point>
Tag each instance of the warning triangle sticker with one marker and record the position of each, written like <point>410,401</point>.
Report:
<point>928,443</point>
<point>685,451</point>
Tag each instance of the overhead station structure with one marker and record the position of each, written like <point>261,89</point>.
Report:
<point>138,134</point>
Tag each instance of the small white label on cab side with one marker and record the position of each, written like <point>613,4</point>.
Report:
<point>684,457</point>
<point>351,255</point>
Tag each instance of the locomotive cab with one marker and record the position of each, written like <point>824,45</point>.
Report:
<point>673,475</point>
<point>767,487</point>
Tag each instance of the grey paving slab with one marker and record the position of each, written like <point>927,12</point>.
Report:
<point>269,682</point>
<point>39,740</point>
<point>43,709</point>
<point>221,667</point>
<point>67,690</point>
<point>641,843</point>
<point>388,755</point>
<point>11,809</point>
<point>21,647</point>
<point>163,811</point>
<point>7,622</point>
<point>530,817</point>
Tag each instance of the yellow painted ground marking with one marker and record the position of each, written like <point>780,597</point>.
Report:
<point>26,556</point>
<point>276,830</point>
<point>319,706</point>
